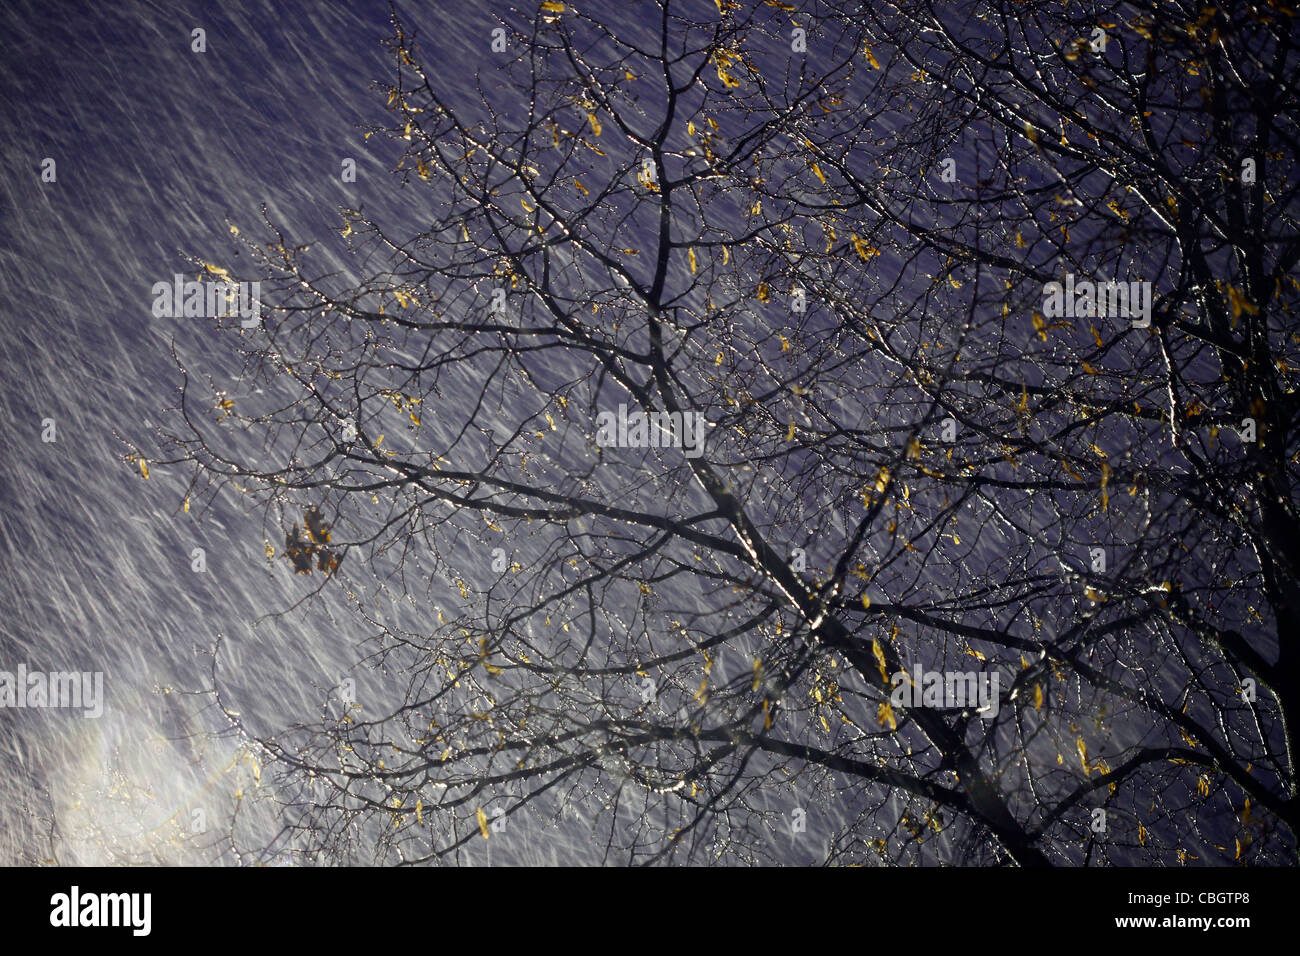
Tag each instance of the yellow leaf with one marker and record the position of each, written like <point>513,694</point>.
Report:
<point>1236,299</point>
<point>879,653</point>
<point>690,255</point>
<point>550,6</point>
<point>1089,369</point>
<point>721,59</point>
<point>1083,756</point>
<point>1142,834</point>
<point>758,672</point>
<point>419,811</point>
<point>789,435</point>
<point>866,602</point>
<point>871,57</point>
<point>763,295</point>
<point>1038,697</point>
<point>595,124</point>
<point>482,817</point>
<point>818,171</point>
<point>144,469</point>
<point>885,715</point>
<point>577,184</point>
<point>1041,326</point>
<point>865,251</point>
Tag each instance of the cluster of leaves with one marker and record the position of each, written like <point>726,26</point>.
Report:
<point>301,551</point>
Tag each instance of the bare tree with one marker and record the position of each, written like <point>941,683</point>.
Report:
<point>719,389</point>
